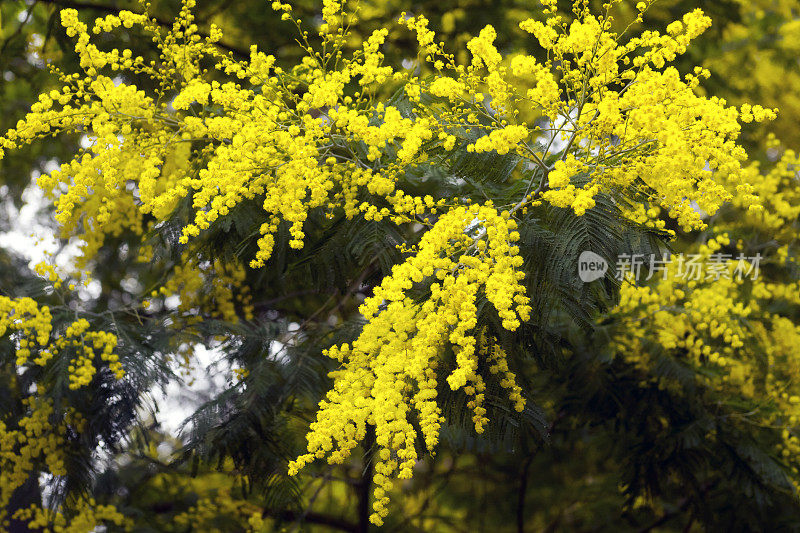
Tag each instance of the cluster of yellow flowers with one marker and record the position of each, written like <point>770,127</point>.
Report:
<point>389,372</point>
<point>620,117</point>
<point>780,338</point>
<point>212,499</point>
<point>33,322</point>
<point>781,197</point>
<point>34,345</point>
<point>35,439</point>
<point>206,288</point>
<point>626,120</point>
<point>88,344</point>
<point>86,516</point>
<point>771,328</point>
<point>311,138</point>
<point>755,54</point>
<point>700,318</point>
<point>498,359</point>
<point>724,327</point>
<point>204,513</point>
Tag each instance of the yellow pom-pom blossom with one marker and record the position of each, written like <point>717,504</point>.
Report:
<point>388,374</point>
<point>627,121</point>
<point>621,117</point>
<point>87,515</point>
<point>690,311</point>
<point>266,138</point>
<point>205,289</point>
<point>35,439</point>
<point>725,325</point>
<point>32,325</point>
<point>781,196</point>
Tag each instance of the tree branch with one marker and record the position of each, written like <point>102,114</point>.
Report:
<point>523,488</point>
<point>365,485</point>
<point>18,31</point>
<point>666,517</point>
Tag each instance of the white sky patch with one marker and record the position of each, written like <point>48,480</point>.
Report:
<point>87,141</point>
<point>31,235</point>
<point>34,46</point>
<point>211,374</point>
<point>558,139</point>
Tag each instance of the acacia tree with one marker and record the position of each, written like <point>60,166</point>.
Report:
<point>387,258</point>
